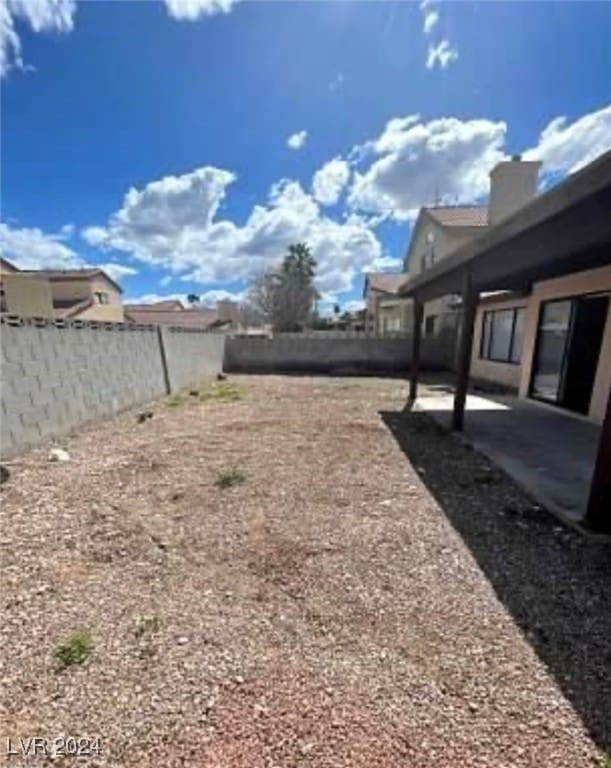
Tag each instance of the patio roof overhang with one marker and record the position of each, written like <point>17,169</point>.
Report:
<point>566,229</point>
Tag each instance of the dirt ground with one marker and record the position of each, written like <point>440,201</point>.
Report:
<point>368,592</point>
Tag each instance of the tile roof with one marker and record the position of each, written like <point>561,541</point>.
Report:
<point>387,282</point>
<point>173,304</point>
<point>459,215</point>
<point>150,313</point>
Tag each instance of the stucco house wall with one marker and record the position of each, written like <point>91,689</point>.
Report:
<point>111,312</point>
<point>70,289</point>
<point>393,316</point>
<point>26,295</point>
<point>75,290</point>
<point>446,241</point>
<point>507,374</point>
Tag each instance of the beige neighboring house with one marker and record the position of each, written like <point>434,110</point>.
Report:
<point>386,311</point>
<point>173,312</point>
<point>440,230</point>
<point>86,294</point>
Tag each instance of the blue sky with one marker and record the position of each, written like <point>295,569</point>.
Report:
<point>154,138</point>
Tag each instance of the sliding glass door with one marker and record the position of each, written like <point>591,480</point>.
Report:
<point>552,342</point>
<point>568,347</point>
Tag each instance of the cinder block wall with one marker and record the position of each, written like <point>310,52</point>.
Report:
<point>53,378</point>
<point>337,353</point>
<point>192,355</point>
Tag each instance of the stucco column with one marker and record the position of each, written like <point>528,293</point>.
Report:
<point>469,304</point>
<point>416,336</point>
<point>598,514</point>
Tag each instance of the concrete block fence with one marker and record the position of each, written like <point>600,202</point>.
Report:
<point>334,353</point>
<point>55,375</point>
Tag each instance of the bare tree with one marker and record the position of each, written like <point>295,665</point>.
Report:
<point>286,295</point>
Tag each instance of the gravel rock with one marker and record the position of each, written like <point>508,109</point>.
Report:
<point>324,626</point>
<point>58,454</point>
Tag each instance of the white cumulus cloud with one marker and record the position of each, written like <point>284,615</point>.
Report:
<point>330,180</point>
<point>31,248</point>
<point>411,163</point>
<point>168,221</point>
<point>431,15</point>
<point>442,55</point>
<point>297,140</point>
<point>173,222</point>
<point>210,298</point>
<point>191,10</point>
<point>40,16</point>
<point>153,298</point>
<point>565,147</point>
<point>117,271</point>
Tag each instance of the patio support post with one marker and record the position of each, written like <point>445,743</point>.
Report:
<point>416,336</point>
<point>598,513</point>
<point>469,304</point>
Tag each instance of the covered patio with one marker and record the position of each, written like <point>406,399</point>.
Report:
<point>563,231</point>
<point>548,452</point>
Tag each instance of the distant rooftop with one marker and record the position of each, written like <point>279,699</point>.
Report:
<point>169,304</point>
<point>202,317</point>
<point>459,215</point>
<point>387,282</point>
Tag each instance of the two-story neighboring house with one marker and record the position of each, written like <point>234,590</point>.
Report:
<point>437,232</point>
<point>385,311</point>
<point>86,294</point>
<point>440,230</point>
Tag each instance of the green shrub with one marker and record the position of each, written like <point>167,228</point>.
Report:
<point>224,392</point>
<point>230,476</point>
<point>174,401</point>
<point>75,650</point>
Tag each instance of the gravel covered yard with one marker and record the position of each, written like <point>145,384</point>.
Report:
<point>302,576</point>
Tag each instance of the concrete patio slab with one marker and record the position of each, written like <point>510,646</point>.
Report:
<point>550,453</point>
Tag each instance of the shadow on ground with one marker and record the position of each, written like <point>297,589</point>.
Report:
<point>554,583</point>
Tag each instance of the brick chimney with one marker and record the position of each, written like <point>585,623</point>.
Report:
<point>513,183</point>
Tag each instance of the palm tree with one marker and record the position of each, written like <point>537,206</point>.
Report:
<point>299,262</point>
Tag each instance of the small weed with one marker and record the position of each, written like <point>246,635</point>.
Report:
<point>174,401</point>
<point>147,624</point>
<point>74,650</point>
<point>225,392</point>
<point>605,761</point>
<point>230,476</point>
